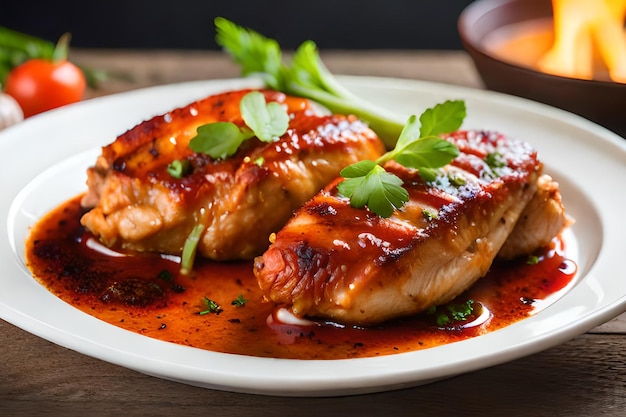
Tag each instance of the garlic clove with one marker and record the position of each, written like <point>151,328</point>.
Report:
<point>10,111</point>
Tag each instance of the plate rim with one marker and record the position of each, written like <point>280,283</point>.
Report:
<point>373,378</point>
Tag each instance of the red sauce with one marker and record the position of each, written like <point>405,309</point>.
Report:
<point>146,294</point>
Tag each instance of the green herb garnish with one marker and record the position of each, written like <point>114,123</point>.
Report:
<point>495,160</point>
<point>210,307</point>
<point>239,301</point>
<point>452,312</point>
<point>460,312</point>
<point>456,180</point>
<point>368,184</point>
<point>533,260</point>
<point>179,168</point>
<point>190,247</point>
<point>165,275</point>
<point>429,214</point>
<point>307,76</point>
<point>266,121</point>
<point>419,146</point>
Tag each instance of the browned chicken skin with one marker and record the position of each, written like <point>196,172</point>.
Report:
<point>330,260</point>
<point>135,204</point>
<point>349,265</point>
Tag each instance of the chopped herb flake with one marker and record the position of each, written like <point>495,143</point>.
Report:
<point>165,275</point>
<point>211,307</point>
<point>449,313</point>
<point>533,260</point>
<point>429,214</point>
<point>456,180</point>
<point>179,168</point>
<point>495,160</point>
<point>239,301</point>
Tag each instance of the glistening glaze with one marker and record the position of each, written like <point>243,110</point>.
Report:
<point>135,293</point>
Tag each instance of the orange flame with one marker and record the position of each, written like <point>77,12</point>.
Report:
<point>587,32</point>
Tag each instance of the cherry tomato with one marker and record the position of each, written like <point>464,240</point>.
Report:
<point>39,85</point>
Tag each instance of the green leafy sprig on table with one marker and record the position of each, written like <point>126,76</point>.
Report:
<point>419,146</point>
<point>17,48</point>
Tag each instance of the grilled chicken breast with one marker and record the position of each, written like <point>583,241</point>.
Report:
<point>349,265</point>
<point>134,203</point>
<point>543,218</point>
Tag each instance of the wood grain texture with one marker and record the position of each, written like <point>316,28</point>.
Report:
<point>585,376</point>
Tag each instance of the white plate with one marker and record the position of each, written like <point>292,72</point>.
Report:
<point>43,160</point>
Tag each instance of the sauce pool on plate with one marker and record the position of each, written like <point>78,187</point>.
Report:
<point>219,306</point>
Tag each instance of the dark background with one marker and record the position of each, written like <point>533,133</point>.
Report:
<point>188,24</point>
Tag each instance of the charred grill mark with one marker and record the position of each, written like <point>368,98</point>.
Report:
<point>153,150</point>
<point>392,256</point>
<point>322,210</point>
<point>306,256</point>
<point>119,165</point>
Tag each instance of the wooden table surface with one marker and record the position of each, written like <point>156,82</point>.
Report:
<point>585,376</point>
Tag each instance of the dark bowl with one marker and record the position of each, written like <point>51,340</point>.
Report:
<point>602,102</point>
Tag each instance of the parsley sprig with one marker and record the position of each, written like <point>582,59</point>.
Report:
<point>419,146</point>
<point>305,76</point>
<point>266,121</point>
